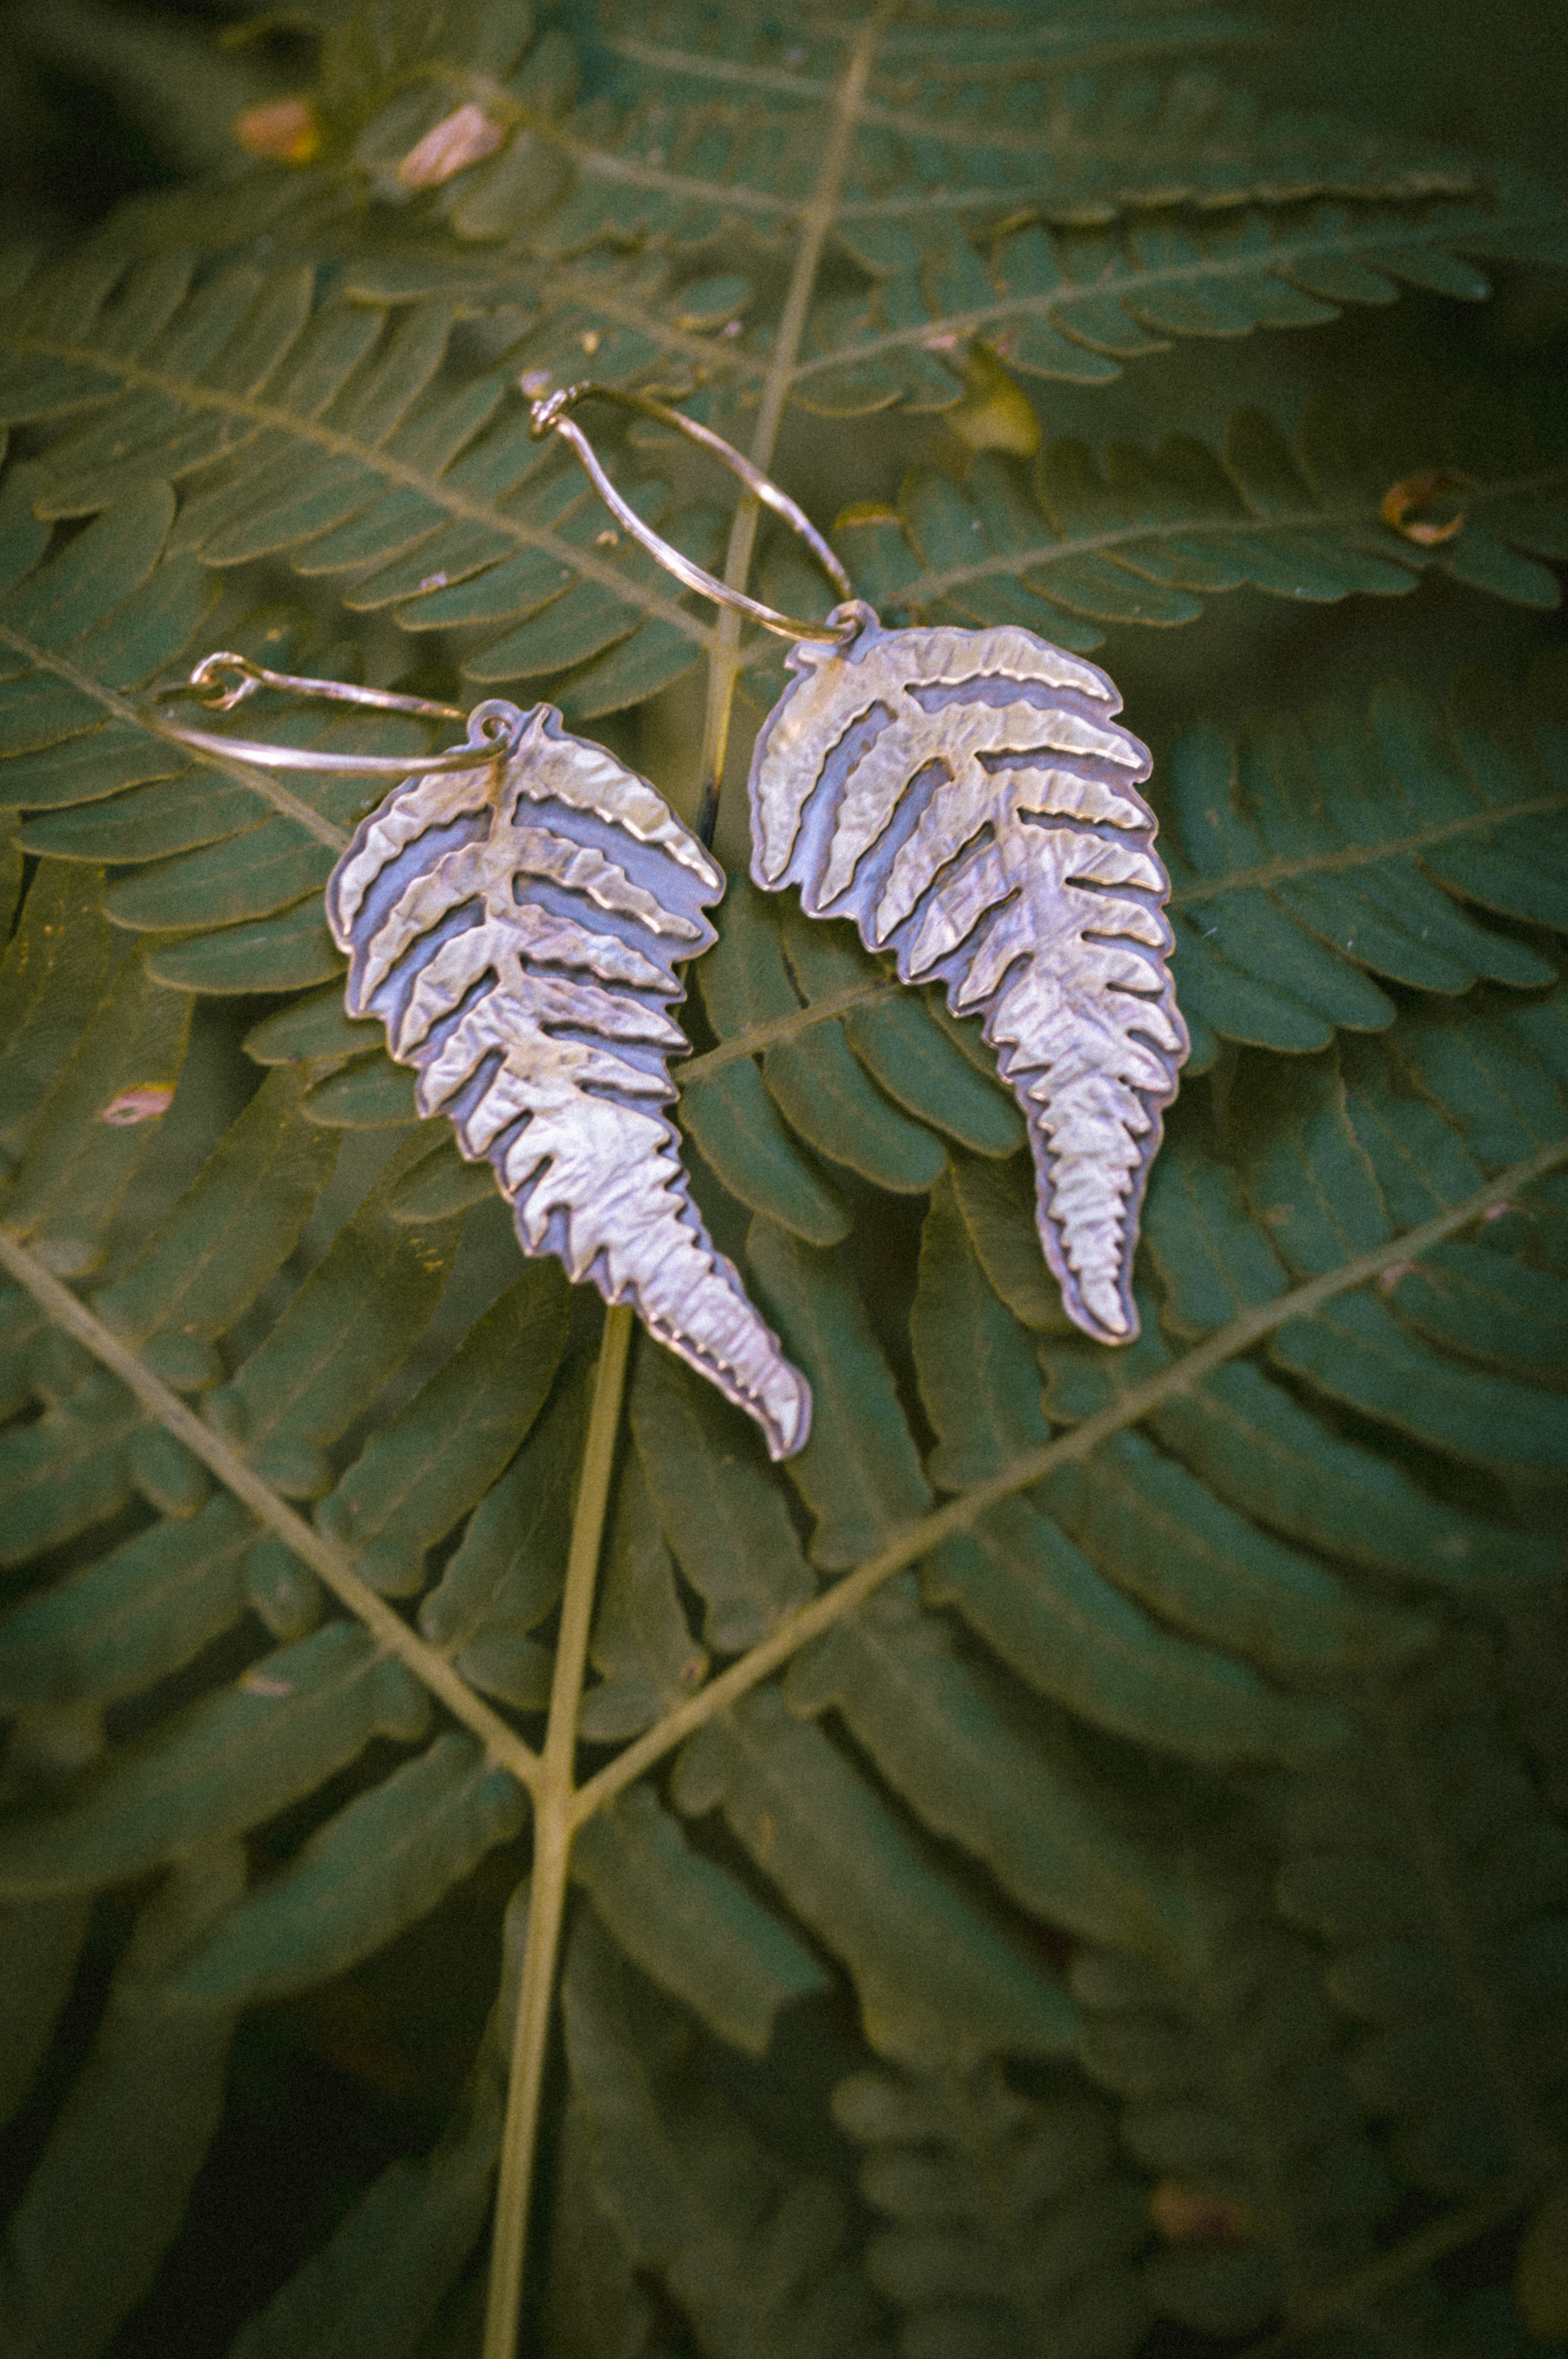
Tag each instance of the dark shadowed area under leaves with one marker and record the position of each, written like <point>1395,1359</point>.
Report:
<point>1135,1920</point>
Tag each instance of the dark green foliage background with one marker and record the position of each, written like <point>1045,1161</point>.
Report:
<point>1142,1926</point>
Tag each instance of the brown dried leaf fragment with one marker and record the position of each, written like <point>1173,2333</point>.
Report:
<point>1184,2214</point>
<point>287,129</point>
<point>1400,501</point>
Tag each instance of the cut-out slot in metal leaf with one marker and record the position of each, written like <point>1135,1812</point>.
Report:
<point>517,927</point>
<point>967,799</point>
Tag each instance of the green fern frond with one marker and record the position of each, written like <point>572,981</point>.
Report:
<point>1232,2093</point>
<point>1138,542</point>
<point>1401,812</point>
<point>330,430</point>
<point>704,118</point>
<point>1010,2226</point>
<point>1073,303</point>
<point>140,2118</point>
<point>1424,1861</point>
<point>753,2254</point>
<point>1073,1858</point>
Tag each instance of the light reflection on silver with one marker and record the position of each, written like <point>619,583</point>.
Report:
<point>967,799</point>
<point>515,925</point>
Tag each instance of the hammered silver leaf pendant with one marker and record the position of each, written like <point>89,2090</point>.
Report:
<point>517,927</point>
<point>968,800</point>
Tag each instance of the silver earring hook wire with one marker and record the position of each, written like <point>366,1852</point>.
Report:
<point>494,727</point>
<point>551,416</point>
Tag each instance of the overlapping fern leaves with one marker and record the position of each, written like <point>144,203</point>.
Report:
<point>1067,1853</point>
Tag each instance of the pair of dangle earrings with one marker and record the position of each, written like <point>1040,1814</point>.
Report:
<point>515,909</point>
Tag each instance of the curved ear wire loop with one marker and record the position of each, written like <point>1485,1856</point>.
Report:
<point>551,416</point>
<point>493,726</point>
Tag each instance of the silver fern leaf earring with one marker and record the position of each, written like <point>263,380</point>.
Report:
<point>514,912</point>
<point>970,801</point>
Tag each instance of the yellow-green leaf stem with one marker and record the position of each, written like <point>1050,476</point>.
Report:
<point>554,1823</point>
<point>1357,855</point>
<point>785,1028</point>
<point>386,1626</point>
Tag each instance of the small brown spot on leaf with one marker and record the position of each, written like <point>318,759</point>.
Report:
<point>465,136</point>
<point>144,1104</point>
<point>1190,2215</point>
<point>1434,485</point>
<point>287,129</point>
<point>258,1684</point>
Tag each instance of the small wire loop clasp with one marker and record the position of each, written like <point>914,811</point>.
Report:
<point>494,727</point>
<point>552,416</point>
<point>249,677</point>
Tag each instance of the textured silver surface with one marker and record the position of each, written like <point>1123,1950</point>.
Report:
<point>516,926</point>
<point>968,800</point>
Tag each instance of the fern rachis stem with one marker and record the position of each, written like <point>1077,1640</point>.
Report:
<point>553,1829</point>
